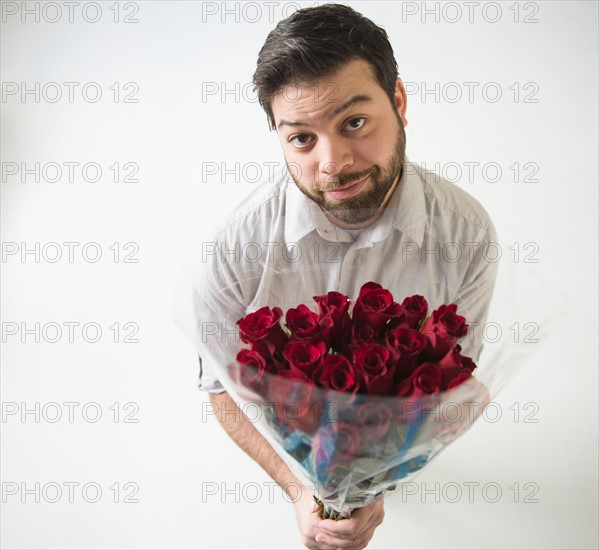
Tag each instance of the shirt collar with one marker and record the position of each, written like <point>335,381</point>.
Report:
<point>406,211</point>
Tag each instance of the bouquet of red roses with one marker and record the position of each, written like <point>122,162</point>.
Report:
<point>355,393</point>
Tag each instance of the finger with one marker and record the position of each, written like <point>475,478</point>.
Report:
<point>314,507</point>
<point>316,544</point>
<point>361,520</point>
<point>351,528</point>
<point>345,529</point>
<point>335,542</point>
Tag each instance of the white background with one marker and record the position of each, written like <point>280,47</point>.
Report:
<point>175,454</point>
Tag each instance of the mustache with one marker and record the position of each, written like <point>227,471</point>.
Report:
<point>346,179</point>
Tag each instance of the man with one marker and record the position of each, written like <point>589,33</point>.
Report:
<point>353,210</point>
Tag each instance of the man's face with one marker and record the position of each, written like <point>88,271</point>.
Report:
<point>343,140</point>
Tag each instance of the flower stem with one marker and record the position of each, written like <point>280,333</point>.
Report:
<point>330,514</point>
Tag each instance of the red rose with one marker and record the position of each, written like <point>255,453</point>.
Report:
<point>374,420</point>
<point>334,445</point>
<point>360,336</point>
<point>455,368</point>
<point>375,307</point>
<point>333,303</point>
<point>304,357</point>
<point>292,375</point>
<point>338,374</point>
<point>467,362</point>
<point>425,380</point>
<point>406,345</point>
<point>335,306</point>
<point>263,324</point>
<point>363,334</point>
<point>444,328</point>
<point>372,361</point>
<point>415,309</point>
<point>348,440</point>
<point>296,404</point>
<point>252,367</point>
<point>399,321</point>
<point>302,322</point>
<point>457,380</point>
<point>267,351</point>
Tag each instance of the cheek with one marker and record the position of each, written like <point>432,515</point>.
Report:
<point>367,153</point>
<point>378,147</point>
<point>302,168</point>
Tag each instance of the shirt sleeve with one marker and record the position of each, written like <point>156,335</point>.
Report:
<point>207,304</point>
<point>474,295</point>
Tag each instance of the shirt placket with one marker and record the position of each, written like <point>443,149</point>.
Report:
<point>347,272</point>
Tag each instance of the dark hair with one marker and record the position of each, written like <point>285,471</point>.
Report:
<point>313,43</point>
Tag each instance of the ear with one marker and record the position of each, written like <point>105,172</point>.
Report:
<point>401,101</point>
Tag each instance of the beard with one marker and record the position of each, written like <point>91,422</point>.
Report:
<point>363,206</point>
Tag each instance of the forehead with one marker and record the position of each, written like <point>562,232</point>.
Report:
<point>320,99</point>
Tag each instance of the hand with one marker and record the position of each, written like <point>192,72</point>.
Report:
<point>327,534</point>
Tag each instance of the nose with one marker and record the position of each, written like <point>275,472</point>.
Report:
<point>335,155</point>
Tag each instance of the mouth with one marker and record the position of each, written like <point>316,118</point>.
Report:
<point>349,190</point>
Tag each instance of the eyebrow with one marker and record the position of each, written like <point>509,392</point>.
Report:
<point>359,98</point>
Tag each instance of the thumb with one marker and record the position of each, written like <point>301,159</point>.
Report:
<point>314,506</point>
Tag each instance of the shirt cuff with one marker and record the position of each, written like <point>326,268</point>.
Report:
<point>207,381</point>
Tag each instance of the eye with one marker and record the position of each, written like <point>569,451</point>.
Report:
<point>300,141</point>
<point>354,124</point>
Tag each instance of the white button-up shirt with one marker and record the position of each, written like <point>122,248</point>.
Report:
<point>278,248</point>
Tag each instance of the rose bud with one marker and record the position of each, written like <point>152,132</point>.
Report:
<point>374,420</point>
<point>335,306</point>
<point>360,336</point>
<point>267,350</point>
<point>263,324</point>
<point>457,380</point>
<point>363,334</point>
<point>252,367</point>
<point>296,404</point>
<point>425,380</point>
<point>415,309</point>
<point>348,440</point>
<point>334,445</point>
<point>302,322</point>
<point>406,345</point>
<point>455,366</point>
<point>444,328</point>
<point>372,361</point>
<point>304,357</point>
<point>338,374</point>
<point>375,306</point>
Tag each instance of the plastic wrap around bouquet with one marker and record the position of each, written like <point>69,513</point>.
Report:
<point>358,396</point>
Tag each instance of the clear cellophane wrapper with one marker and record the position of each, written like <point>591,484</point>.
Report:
<point>353,448</point>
